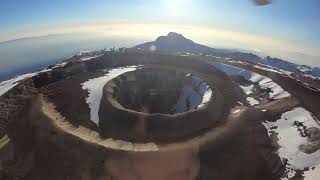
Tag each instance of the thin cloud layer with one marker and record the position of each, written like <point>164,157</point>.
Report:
<point>211,36</point>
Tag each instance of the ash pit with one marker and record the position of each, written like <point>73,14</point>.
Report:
<point>149,104</point>
<point>159,91</point>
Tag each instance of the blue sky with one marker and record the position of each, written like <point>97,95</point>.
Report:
<point>297,22</point>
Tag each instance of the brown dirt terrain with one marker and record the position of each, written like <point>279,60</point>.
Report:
<point>50,153</point>
<point>237,149</point>
<point>70,98</point>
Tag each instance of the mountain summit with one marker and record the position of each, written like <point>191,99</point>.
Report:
<point>174,38</point>
<point>174,42</point>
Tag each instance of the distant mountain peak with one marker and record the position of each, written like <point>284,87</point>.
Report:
<point>173,36</point>
<point>176,43</point>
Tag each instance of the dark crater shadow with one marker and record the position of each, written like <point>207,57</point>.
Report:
<point>158,91</point>
<point>158,105</point>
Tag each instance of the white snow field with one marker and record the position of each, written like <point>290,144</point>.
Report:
<point>5,86</point>
<point>95,89</point>
<point>252,101</point>
<point>87,58</point>
<point>264,82</point>
<point>247,89</point>
<point>206,97</point>
<point>197,98</point>
<point>289,140</point>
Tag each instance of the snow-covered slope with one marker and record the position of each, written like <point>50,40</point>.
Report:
<point>5,86</point>
<point>197,98</point>
<point>290,132</point>
<point>95,89</point>
<point>276,92</point>
<point>313,72</point>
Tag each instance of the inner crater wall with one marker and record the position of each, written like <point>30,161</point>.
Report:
<point>137,124</point>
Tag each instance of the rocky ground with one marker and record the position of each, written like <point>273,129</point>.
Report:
<point>52,136</point>
<point>294,131</point>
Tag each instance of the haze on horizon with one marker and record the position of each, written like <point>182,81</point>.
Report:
<point>287,29</point>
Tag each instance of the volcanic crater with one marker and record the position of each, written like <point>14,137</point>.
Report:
<point>170,118</point>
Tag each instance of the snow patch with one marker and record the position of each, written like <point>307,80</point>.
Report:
<point>187,94</point>
<point>5,86</point>
<point>89,57</point>
<point>247,89</point>
<point>312,174</point>
<point>268,69</point>
<point>290,139</point>
<point>95,89</point>
<point>206,97</point>
<point>304,69</point>
<point>196,98</point>
<point>63,64</point>
<point>252,101</point>
<point>312,77</point>
<point>81,53</point>
<point>264,82</point>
